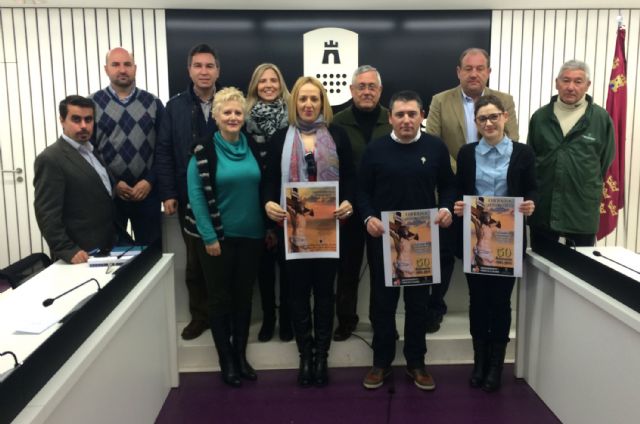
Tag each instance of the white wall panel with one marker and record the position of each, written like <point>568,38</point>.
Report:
<point>45,55</point>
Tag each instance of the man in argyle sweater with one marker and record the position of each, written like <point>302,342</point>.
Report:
<point>127,119</point>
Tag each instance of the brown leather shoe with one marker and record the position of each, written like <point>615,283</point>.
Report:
<point>375,377</point>
<point>421,378</point>
<point>194,329</point>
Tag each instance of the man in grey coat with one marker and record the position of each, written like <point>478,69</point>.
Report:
<point>73,192</point>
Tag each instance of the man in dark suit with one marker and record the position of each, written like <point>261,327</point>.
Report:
<point>73,193</point>
<point>451,118</point>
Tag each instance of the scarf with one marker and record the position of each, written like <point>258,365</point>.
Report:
<point>267,118</point>
<point>293,164</point>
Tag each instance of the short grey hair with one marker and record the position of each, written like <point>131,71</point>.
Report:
<point>365,68</point>
<point>475,50</point>
<point>573,65</point>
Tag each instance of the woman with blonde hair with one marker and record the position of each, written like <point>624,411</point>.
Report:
<point>267,98</point>
<point>310,149</point>
<point>223,184</point>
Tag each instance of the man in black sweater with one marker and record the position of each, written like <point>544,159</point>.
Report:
<point>401,171</point>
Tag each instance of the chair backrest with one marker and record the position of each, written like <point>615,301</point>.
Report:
<point>19,272</point>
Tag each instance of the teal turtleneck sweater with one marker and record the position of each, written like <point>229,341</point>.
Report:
<point>237,192</point>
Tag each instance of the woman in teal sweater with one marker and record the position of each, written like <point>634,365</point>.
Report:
<point>223,182</point>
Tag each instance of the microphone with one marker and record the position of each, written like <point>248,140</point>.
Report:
<point>48,302</point>
<point>600,255</point>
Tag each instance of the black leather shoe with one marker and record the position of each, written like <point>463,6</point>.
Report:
<point>433,323</point>
<point>343,332</point>
<point>286,332</point>
<point>266,331</point>
<point>194,329</point>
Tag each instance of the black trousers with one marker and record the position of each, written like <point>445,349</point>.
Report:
<point>352,237</point>
<point>194,277</point>
<point>307,276</point>
<point>437,306</point>
<point>267,281</point>
<point>145,217</point>
<point>384,302</point>
<point>230,276</point>
<point>490,307</point>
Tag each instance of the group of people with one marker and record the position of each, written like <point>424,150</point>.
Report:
<point>220,160</point>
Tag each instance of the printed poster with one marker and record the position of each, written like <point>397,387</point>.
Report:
<point>492,241</point>
<point>411,247</point>
<point>311,230</point>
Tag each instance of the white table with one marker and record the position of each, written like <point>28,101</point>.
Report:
<point>578,347</point>
<point>123,370</point>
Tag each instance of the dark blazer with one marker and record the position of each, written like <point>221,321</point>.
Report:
<point>273,173</point>
<point>73,209</point>
<point>521,175</point>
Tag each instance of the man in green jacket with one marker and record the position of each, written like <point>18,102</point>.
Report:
<point>364,120</point>
<point>574,144</point>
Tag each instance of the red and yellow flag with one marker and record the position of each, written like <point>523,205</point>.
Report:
<point>613,187</point>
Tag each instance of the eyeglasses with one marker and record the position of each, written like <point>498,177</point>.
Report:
<point>370,87</point>
<point>482,119</point>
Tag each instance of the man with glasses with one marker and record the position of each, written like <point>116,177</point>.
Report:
<point>451,118</point>
<point>574,143</point>
<point>188,118</point>
<point>363,121</point>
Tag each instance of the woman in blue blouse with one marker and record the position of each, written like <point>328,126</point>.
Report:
<point>494,166</point>
<point>223,181</point>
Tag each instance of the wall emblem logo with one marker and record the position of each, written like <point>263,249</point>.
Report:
<point>331,55</point>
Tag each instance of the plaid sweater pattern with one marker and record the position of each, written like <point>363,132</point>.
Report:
<point>125,134</point>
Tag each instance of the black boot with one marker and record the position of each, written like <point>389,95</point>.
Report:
<point>305,371</point>
<point>480,362</point>
<point>493,379</point>
<point>221,331</point>
<point>241,322</point>
<point>323,312</point>
<point>304,341</point>
<point>321,372</point>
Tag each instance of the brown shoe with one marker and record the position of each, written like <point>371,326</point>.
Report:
<point>194,329</point>
<point>421,378</point>
<point>375,377</point>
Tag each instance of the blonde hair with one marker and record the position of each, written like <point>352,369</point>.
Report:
<point>252,91</point>
<point>227,94</point>
<point>295,92</point>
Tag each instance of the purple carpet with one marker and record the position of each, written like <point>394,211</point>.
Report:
<point>275,398</point>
